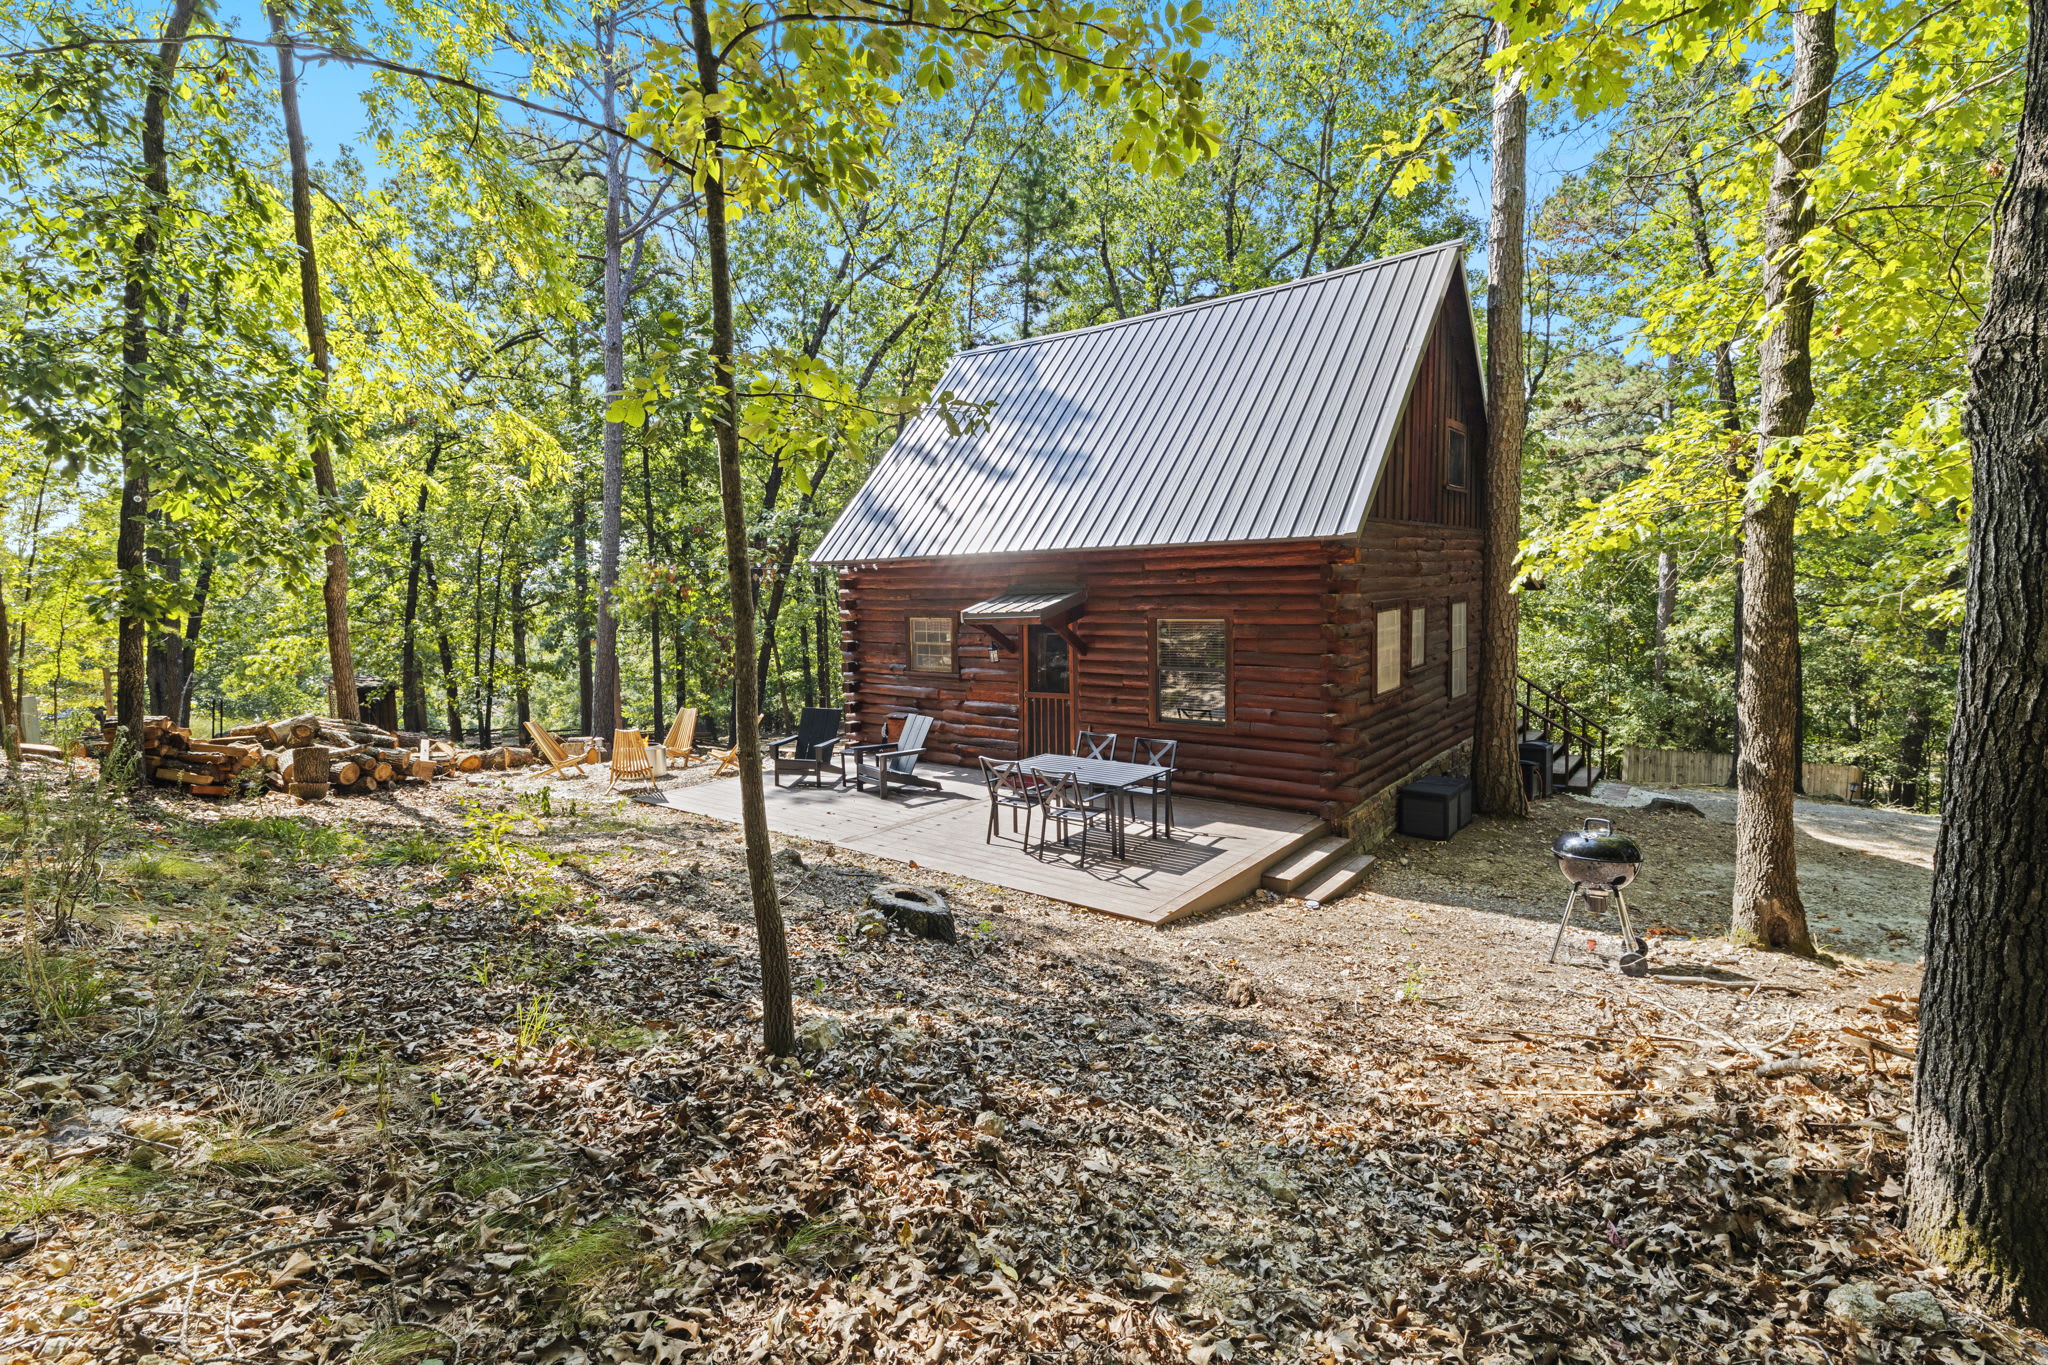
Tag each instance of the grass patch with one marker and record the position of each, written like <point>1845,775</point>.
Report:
<point>282,836</point>
<point>28,1199</point>
<point>62,989</point>
<point>254,1154</point>
<point>819,1235</point>
<point>414,848</point>
<point>520,1172</point>
<point>583,1263</point>
<point>399,1345</point>
<point>159,869</point>
<point>728,1226</point>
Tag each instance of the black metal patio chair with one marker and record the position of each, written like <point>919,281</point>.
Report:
<point>808,752</point>
<point>1095,744</point>
<point>1011,788</point>
<point>1067,801</point>
<point>1157,753</point>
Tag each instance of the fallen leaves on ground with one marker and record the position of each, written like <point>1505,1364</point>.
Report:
<point>484,1085</point>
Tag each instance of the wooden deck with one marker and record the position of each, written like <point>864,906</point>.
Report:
<point>1216,855</point>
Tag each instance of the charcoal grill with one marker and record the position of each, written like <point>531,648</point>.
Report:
<point>1599,863</point>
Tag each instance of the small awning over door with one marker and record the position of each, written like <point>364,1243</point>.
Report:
<point>1036,603</point>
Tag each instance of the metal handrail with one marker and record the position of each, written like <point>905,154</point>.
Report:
<point>1570,724</point>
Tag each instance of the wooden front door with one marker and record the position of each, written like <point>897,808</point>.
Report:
<point>1048,693</point>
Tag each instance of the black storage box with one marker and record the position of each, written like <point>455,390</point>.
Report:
<point>1542,753</point>
<point>1435,807</point>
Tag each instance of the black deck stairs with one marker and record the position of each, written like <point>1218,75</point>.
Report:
<point>1581,742</point>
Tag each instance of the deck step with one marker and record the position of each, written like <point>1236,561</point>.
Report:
<point>1304,863</point>
<point>1347,872</point>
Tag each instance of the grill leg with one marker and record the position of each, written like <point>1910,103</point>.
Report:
<point>1634,959</point>
<point>1569,902</point>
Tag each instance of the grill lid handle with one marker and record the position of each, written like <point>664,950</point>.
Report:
<point>1606,825</point>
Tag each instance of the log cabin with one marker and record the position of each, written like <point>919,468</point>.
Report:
<point>1251,524</point>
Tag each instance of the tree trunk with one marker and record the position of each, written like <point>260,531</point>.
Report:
<point>1977,1185</point>
<point>654,614</point>
<point>334,592</point>
<point>605,698</point>
<point>778,1031</point>
<point>165,678</point>
<point>10,703</point>
<point>137,287</point>
<point>522,691</point>
<point>1667,607</point>
<point>1768,911</point>
<point>412,680</point>
<point>188,643</point>
<point>451,690</point>
<point>580,532</point>
<point>1496,762</point>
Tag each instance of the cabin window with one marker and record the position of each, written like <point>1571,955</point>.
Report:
<point>1191,670</point>
<point>931,644</point>
<point>1418,637</point>
<point>1458,655</point>
<point>1458,467</point>
<point>1388,638</point>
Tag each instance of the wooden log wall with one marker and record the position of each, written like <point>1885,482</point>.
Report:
<point>1402,565</point>
<point>1278,745</point>
<point>1447,388</point>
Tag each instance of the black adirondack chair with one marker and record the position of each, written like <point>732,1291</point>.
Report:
<point>809,752</point>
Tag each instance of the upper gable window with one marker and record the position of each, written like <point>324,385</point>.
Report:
<point>1458,466</point>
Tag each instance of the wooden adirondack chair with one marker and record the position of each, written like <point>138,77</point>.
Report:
<point>557,753</point>
<point>630,760</point>
<point>681,742</point>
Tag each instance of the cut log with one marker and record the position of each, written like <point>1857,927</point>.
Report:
<point>423,769</point>
<point>345,772</point>
<point>299,730</point>
<point>305,765</point>
<point>308,791</point>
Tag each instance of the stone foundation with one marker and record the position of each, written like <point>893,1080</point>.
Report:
<point>1372,819</point>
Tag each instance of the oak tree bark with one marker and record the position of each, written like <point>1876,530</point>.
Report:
<point>1768,911</point>
<point>1977,1186</point>
<point>334,590</point>
<point>1496,762</point>
<point>778,1021</point>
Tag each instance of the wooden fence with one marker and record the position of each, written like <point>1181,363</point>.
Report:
<point>1691,768</point>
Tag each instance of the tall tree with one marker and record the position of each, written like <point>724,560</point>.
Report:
<point>320,425</point>
<point>1768,910</point>
<point>138,298</point>
<point>1978,1187</point>
<point>605,682</point>
<point>1496,763</point>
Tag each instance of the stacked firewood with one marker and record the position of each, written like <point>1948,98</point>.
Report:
<point>309,753</point>
<point>308,756</point>
<point>204,767</point>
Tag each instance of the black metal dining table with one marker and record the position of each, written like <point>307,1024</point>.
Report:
<point>1104,774</point>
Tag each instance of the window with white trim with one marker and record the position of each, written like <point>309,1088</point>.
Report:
<point>1458,656</point>
<point>931,644</point>
<point>1387,636</point>
<point>1418,637</point>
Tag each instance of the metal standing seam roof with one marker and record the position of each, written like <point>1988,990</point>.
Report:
<point>1258,416</point>
<point>1027,603</point>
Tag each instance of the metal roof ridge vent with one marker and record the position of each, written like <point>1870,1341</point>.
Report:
<point>1455,243</point>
